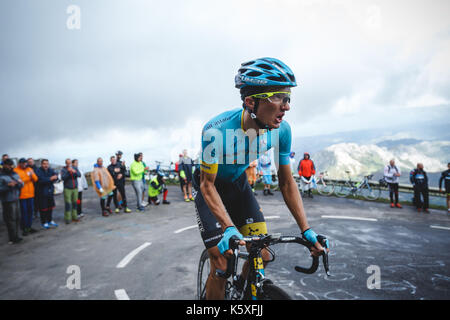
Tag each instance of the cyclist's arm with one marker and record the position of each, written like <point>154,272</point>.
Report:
<point>213,199</point>
<point>291,196</point>
<point>294,202</point>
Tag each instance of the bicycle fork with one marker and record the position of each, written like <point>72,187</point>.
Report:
<point>259,276</point>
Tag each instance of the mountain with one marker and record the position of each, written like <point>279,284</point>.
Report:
<point>364,159</point>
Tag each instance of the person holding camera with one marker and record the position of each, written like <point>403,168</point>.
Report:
<point>391,176</point>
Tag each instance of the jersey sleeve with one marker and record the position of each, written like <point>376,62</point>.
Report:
<point>211,141</point>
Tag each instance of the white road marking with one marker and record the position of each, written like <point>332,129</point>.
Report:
<point>121,294</point>
<point>350,218</point>
<point>184,229</point>
<point>131,255</point>
<point>439,227</point>
<point>271,217</point>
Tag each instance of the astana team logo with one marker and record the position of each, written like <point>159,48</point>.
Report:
<point>237,147</point>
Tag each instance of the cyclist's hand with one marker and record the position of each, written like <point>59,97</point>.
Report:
<point>311,236</point>
<point>224,244</point>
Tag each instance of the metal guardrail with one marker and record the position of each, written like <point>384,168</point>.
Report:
<point>433,191</point>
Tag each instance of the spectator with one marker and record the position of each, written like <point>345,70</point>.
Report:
<point>28,177</point>
<point>82,185</point>
<point>117,172</point>
<point>120,183</point>
<point>251,175</point>
<point>186,167</point>
<point>10,185</point>
<point>446,176</point>
<point>144,183</point>
<point>292,161</point>
<point>264,168</point>
<point>4,157</point>
<point>177,170</point>
<point>419,180</point>
<point>156,187</point>
<point>104,185</point>
<point>45,193</point>
<point>32,165</point>
<point>306,171</point>
<point>69,176</point>
<point>391,175</point>
<point>136,170</point>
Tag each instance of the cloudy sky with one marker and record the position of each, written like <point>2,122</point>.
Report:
<point>146,75</point>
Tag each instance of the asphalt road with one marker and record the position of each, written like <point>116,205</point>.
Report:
<point>154,255</point>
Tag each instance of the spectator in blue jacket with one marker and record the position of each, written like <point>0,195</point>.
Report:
<point>10,185</point>
<point>45,194</point>
<point>419,180</point>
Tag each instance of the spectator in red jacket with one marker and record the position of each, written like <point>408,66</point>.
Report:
<point>306,170</point>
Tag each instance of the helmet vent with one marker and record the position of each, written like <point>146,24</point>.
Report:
<point>279,78</point>
<point>254,74</point>
<point>291,77</point>
<point>248,63</point>
<point>265,66</point>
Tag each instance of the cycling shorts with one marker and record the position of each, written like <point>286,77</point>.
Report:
<point>241,205</point>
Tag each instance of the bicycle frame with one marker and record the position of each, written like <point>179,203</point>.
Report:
<point>356,186</point>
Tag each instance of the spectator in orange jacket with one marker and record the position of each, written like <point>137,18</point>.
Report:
<point>306,170</point>
<point>26,197</point>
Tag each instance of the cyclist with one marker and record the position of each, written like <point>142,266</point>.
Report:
<point>225,203</point>
<point>446,176</point>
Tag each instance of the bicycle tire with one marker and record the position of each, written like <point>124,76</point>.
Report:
<point>371,194</point>
<point>272,292</point>
<point>325,189</point>
<point>343,191</point>
<point>201,286</point>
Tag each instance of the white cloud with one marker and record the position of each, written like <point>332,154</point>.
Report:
<point>427,100</point>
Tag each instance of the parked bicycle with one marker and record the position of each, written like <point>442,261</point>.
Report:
<point>325,188</point>
<point>168,170</point>
<point>256,286</point>
<point>364,188</point>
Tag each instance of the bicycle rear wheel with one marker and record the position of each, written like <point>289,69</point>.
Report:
<point>343,191</point>
<point>204,268</point>
<point>325,189</point>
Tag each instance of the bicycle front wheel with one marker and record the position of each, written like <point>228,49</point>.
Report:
<point>204,268</point>
<point>370,193</point>
<point>343,190</point>
<point>325,189</point>
<point>272,292</point>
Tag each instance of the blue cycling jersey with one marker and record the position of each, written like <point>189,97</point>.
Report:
<point>227,150</point>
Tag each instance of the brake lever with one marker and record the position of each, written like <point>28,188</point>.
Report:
<point>315,263</point>
<point>325,244</point>
<point>232,261</point>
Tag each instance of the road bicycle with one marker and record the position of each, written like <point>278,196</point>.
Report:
<point>367,190</point>
<point>325,188</point>
<point>168,170</point>
<point>256,286</point>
